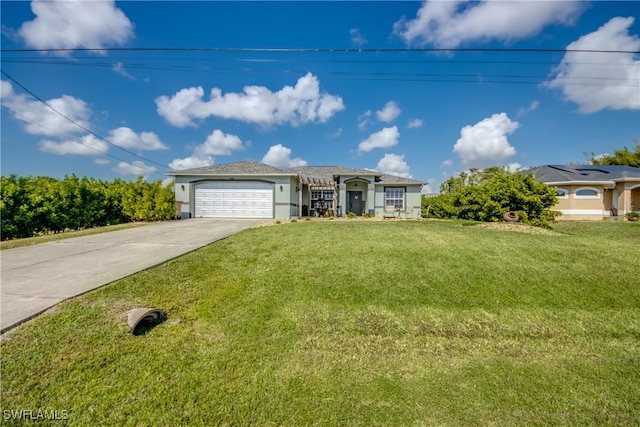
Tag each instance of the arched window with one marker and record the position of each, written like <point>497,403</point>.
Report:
<point>586,193</point>
<point>562,193</point>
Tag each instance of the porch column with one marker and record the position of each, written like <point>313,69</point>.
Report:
<point>371,196</point>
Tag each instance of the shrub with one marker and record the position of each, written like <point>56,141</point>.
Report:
<point>632,216</point>
<point>37,205</point>
<point>489,199</point>
<point>351,215</point>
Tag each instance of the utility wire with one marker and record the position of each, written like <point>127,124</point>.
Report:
<point>53,131</point>
<point>319,50</point>
<point>80,125</point>
<point>346,75</point>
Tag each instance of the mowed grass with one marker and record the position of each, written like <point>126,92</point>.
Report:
<point>28,241</point>
<point>353,323</point>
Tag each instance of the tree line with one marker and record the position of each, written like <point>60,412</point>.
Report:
<point>36,205</point>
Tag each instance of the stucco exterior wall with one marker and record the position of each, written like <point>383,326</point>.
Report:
<point>580,208</point>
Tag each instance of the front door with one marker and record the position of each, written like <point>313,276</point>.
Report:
<point>355,202</point>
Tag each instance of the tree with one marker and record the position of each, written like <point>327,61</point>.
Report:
<point>620,157</point>
<point>487,195</point>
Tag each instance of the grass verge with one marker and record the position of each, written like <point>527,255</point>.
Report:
<point>358,323</point>
<point>17,243</point>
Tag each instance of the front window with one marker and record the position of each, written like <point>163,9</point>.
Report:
<point>587,193</point>
<point>394,198</point>
<point>322,194</point>
<point>562,193</point>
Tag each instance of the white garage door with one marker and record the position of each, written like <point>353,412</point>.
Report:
<point>234,200</point>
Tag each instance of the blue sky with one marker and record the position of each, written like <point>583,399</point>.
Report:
<point>516,86</point>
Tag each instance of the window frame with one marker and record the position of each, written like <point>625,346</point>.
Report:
<point>597,194</point>
<point>402,200</point>
<point>564,195</point>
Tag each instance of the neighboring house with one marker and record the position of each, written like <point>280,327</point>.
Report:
<point>256,190</point>
<point>593,191</point>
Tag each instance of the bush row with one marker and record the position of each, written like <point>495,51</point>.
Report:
<point>37,205</point>
<point>490,199</point>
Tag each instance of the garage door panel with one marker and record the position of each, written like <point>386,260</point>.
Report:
<point>234,200</point>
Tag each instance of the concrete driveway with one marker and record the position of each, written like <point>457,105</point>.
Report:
<point>35,278</point>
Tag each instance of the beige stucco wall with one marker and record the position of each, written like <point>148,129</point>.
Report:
<point>625,197</point>
<point>577,208</point>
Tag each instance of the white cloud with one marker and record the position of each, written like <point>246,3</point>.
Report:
<point>88,145</point>
<point>217,143</point>
<point>102,161</point>
<point>336,134</point>
<point>280,157</point>
<point>513,167</point>
<point>168,181</point>
<point>394,164</point>
<point>415,123</point>
<point>532,107</point>
<point>447,24</point>
<point>300,104</point>
<point>363,120</point>
<point>602,81</point>
<point>39,119</point>
<point>72,24</point>
<point>486,142</point>
<point>357,38</point>
<point>389,112</point>
<point>447,163</point>
<point>119,69</point>
<point>426,188</point>
<point>191,162</point>
<point>387,137</point>
<point>127,138</point>
<point>136,168</point>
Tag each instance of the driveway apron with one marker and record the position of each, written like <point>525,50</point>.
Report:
<point>35,278</point>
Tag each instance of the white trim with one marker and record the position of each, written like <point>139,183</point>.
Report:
<point>632,188</point>
<point>565,195</point>
<point>599,212</point>
<point>598,194</point>
<point>557,183</point>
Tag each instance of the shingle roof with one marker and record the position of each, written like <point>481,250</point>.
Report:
<point>585,173</point>
<point>319,173</point>
<point>248,167</point>
<point>393,179</point>
<point>327,174</point>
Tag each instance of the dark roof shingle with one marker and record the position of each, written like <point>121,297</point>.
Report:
<point>248,167</point>
<point>584,173</point>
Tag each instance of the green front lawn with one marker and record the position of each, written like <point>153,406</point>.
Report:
<point>353,323</point>
<point>52,237</point>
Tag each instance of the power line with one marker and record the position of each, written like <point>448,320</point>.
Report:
<point>80,125</point>
<point>103,153</point>
<point>349,75</point>
<point>319,50</point>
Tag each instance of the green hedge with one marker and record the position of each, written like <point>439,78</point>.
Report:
<point>37,205</point>
<point>489,200</point>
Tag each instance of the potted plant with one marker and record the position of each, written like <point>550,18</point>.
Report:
<point>632,216</point>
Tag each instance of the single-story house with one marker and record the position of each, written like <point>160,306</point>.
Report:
<point>593,191</point>
<point>251,189</point>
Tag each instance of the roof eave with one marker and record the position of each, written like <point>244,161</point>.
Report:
<point>178,173</point>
